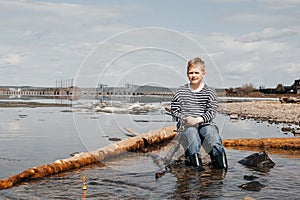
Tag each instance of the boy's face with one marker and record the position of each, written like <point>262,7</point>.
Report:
<point>195,75</point>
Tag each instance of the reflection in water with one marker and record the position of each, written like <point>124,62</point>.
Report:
<point>286,153</point>
<point>192,184</point>
<point>13,126</point>
<point>84,195</point>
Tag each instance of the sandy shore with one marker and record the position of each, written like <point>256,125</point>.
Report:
<point>271,111</point>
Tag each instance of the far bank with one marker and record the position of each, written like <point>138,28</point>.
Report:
<point>271,111</point>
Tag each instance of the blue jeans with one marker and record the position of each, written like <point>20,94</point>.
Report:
<point>207,136</point>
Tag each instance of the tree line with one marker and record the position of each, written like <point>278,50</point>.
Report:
<point>249,90</point>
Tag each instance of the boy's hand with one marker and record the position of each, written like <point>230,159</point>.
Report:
<point>192,121</point>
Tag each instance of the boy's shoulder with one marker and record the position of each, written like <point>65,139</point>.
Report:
<point>208,87</point>
<point>183,87</point>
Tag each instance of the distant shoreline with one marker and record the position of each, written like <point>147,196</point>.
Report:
<point>13,104</point>
<point>271,111</point>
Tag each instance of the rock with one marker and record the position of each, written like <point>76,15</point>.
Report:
<point>289,100</point>
<point>248,198</point>
<point>160,174</point>
<point>66,111</point>
<point>296,132</point>
<point>114,139</point>
<point>234,116</point>
<point>250,177</point>
<point>260,160</point>
<point>287,129</point>
<point>252,186</point>
<point>74,153</point>
<point>23,116</point>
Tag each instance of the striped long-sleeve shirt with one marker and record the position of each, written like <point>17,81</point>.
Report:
<point>202,103</point>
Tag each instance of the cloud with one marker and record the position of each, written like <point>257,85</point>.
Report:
<point>259,18</point>
<point>267,34</point>
<point>270,2</point>
<point>263,13</point>
<point>255,59</point>
<point>61,17</point>
<point>286,2</point>
<point>57,37</point>
<point>293,68</point>
<point>263,62</point>
<point>240,67</point>
<point>10,59</point>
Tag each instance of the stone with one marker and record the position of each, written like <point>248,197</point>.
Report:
<point>234,116</point>
<point>250,177</point>
<point>260,160</point>
<point>252,186</point>
<point>296,132</point>
<point>286,129</point>
<point>114,139</point>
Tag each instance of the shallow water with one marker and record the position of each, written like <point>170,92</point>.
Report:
<point>127,179</point>
<point>35,136</point>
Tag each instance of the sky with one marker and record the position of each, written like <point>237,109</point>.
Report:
<point>113,42</point>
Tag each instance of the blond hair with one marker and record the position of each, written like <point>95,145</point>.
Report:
<point>196,62</point>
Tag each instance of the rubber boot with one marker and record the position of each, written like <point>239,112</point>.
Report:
<point>219,161</point>
<point>196,161</point>
<point>187,161</point>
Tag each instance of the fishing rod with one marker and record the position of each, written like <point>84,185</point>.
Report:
<point>181,121</point>
<point>165,162</point>
<point>173,115</point>
<point>167,159</point>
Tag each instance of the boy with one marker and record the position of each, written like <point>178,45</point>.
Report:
<point>194,106</point>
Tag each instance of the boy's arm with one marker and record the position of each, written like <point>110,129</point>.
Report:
<point>211,107</point>
<point>176,107</point>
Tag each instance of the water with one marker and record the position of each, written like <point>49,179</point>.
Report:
<point>35,136</point>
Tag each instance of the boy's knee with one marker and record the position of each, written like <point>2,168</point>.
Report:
<point>191,133</point>
<point>210,132</point>
<point>211,129</point>
<point>191,129</point>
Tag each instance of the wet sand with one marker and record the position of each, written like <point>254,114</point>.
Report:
<point>271,111</point>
